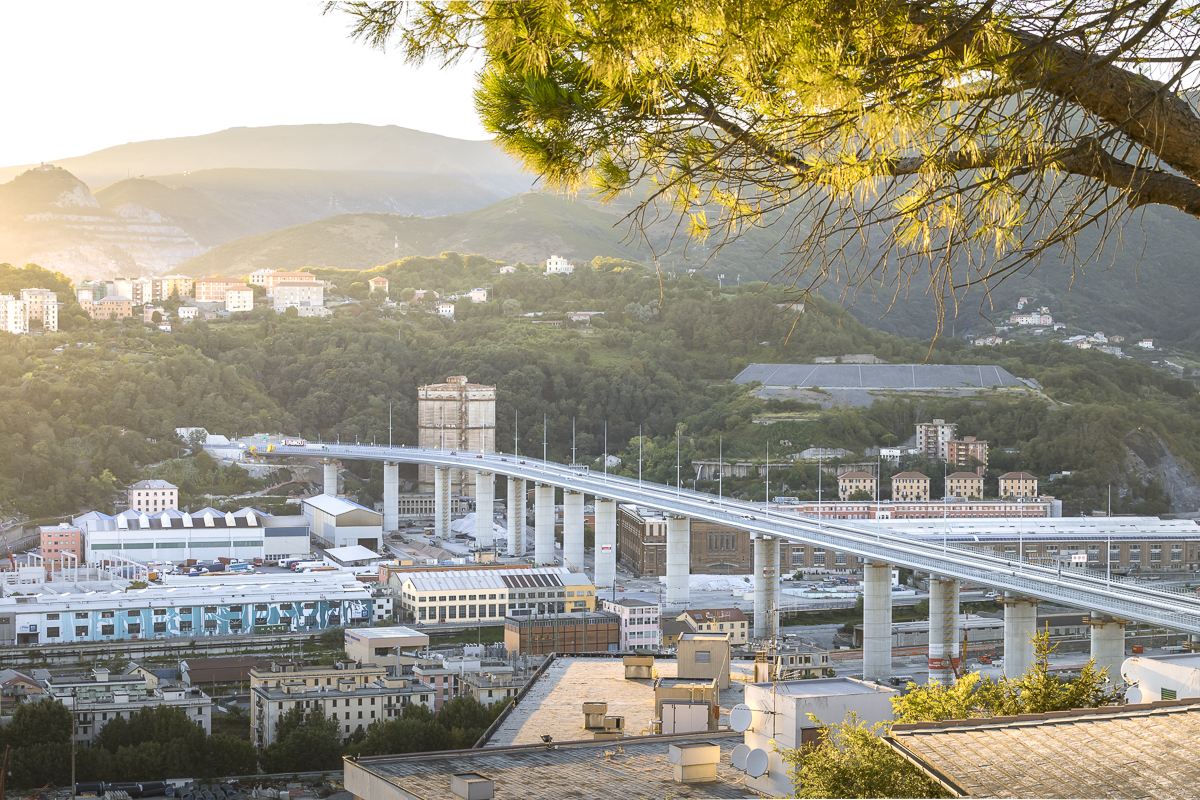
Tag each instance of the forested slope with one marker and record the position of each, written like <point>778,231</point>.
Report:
<point>76,423</point>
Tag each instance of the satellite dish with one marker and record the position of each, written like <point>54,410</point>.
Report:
<point>740,717</point>
<point>756,763</point>
<point>739,756</point>
<point>1133,694</point>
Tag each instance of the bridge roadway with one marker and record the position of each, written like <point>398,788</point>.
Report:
<point>1120,599</point>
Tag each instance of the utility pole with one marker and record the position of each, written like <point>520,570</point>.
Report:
<point>573,462</point>
<point>543,436</point>
<point>720,465</point>
<point>389,423</point>
<point>767,496</point>
<point>677,461</point>
<point>639,456</point>
<point>515,419</point>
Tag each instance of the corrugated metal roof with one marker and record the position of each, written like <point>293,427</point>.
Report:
<point>878,376</point>
<point>1147,750</point>
<point>530,578</point>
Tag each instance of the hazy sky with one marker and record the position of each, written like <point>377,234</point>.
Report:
<point>81,76</point>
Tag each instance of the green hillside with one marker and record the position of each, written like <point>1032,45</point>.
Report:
<point>526,228</point>
<point>267,199</point>
<point>347,147</point>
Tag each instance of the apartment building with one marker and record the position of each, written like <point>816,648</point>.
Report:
<point>353,696</point>
<point>151,496</point>
<point>718,620</point>
<point>1018,484</point>
<point>239,298</point>
<point>910,486</point>
<point>305,297</point>
<point>100,697</point>
<point>851,482</point>
<point>138,290</point>
<point>932,437</point>
<point>964,484</point>
<point>378,284</point>
<point>639,623</point>
<point>164,287</point>
<point>61,545</point>
<point>114,306</point>
<point>41,304</point>
<point>14,318</point>
<point>270,279</point>
<point>960,453</point>
<point>214,290</point>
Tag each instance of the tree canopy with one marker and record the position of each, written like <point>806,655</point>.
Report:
<point>949,142</point>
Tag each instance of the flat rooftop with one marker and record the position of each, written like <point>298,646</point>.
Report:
<point>625,768</point>
<point>394,632</point>
<point>554,704</point>
<point>821,687</point>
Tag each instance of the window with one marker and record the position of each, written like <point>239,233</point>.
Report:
<point>106,630</point>
<point>235,624</point>
<point>107,614</point>
<point>1177,552</point>
<point>261,608</point>
<point>52,633</point>
<point>160,627</point>
<point>210,624</point>
<point>187,612</point>
<point>235,609</point>
<point>185,626</point>
<point>210,609</point>
<point>453,612</point>
<point>160,612</point>
<point>135,627</point>
<point>51,616</point>
<point>703,657</point>
<point>1155,553</point>
<point>81,630</point>
<point>471,611</point>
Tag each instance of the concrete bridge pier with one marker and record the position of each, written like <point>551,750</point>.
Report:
<point>1020,623</point>
<point>679,536</point>
<point>329,475</point>
<point>877,621</point>
<point>391,496</point>
<point>573,529</point>
<point>516,516</point>
<point>945,636</point>
<point>1108,644</point>
<point>441,501</point>
<point>543,524</point>
<point>758,556</point>
<point>485,500</point>
<point>606,543</point>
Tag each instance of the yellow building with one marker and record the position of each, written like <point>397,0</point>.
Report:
<point>964,484</point>
<point>1018,484</point>
<point>910,486</point>
<point>851,482</point>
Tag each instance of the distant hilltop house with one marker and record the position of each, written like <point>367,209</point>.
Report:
<point>420,294</point>
<point>508,269</point>
<point>445,309</point>
<point>379,283</point>
<point>478,295</point>
<point>557,265</point>
<point>1146,344</point>
<point>1039,317</point>
<point>1022,302</point>
<point>987,341</point>
<point>1117,339</point>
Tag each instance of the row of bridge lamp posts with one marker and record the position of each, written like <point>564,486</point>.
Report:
<point>945,632</point>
